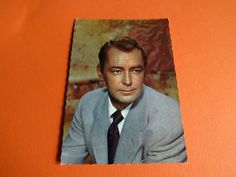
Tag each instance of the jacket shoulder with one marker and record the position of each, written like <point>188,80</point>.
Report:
<point>163,110</point>
<point>94,95</point>
<point>158,99</point>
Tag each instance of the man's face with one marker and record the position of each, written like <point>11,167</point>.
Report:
<point>123,74</point>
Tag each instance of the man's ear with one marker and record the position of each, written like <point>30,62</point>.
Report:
<point>99,72</point>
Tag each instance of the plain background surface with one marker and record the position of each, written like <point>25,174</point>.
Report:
<point>35,38</point>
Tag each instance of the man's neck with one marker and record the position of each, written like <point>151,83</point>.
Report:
<point>118,105</point>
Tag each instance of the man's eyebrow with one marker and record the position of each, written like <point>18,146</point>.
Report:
<point>133,67</point>
<point>116,67</point>
<point>137,67</point>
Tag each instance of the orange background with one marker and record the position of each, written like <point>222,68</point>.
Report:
<point>35,38</point>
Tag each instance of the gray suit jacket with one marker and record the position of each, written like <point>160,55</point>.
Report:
<point>152,131</point>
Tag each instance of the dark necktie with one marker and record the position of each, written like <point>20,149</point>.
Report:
<point>113,135</point>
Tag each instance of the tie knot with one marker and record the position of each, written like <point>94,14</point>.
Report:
<point>117,117</point>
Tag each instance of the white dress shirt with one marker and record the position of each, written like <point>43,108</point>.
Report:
<point>124,112</point>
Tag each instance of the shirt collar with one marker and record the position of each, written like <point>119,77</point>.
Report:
<point>112,109</point>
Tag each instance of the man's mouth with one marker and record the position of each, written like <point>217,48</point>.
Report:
<point>127,91</point>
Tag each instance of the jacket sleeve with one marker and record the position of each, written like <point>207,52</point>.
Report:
<point>73,147</point>
<point>170,149</point>
<point>164,136</point>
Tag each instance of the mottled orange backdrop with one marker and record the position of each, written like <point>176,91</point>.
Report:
<point>35,38</point>
<point>88,37</point>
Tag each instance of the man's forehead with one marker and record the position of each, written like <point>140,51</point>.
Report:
<point>114,55</point>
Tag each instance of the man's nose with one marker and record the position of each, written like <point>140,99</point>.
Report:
<point>127,80</point>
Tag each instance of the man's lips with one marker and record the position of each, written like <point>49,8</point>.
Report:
<point>127,90</point>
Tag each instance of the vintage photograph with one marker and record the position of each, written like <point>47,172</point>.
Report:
<point>122,104</point>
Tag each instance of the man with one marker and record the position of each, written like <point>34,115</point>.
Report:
<point>126,122</point>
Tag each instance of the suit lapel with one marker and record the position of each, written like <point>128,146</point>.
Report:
<point>130,140</point>
<point>99,131</point>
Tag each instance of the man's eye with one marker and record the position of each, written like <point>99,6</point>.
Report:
<point>136,71</point>
<point>117,71</point>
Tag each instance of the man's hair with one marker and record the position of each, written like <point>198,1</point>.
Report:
<point>125,44</point>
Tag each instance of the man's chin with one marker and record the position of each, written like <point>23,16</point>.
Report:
<point>127,99</point>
